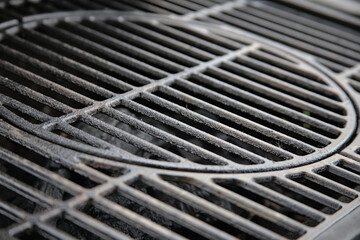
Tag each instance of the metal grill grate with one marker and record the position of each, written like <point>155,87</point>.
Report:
<point>206,107</point>
<point>335,48</point>
<point>17,9</point>
<point>355,81</point>
<point>122,125</point>
<point>149,203</point>
<point>334,44</point>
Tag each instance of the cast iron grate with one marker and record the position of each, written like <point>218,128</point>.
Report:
<point>333,43</point>
<point>19,8</point>
<point>112,200</point>
<point>223,102</point>
<point>355,80</point>
<point>332,46</point>
<point>204,99</point>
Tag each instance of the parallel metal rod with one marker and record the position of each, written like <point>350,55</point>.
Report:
<point>219,126</point>
<point>338,40</point>
<point>212,209</point>
<point>174,214</point>
<point>276,94</point>
<point>75,43</point>
<point>247,108</point>
<point>36,79</point>
<point>242,121</point>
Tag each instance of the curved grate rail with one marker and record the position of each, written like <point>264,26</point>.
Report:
<point>169,95</point>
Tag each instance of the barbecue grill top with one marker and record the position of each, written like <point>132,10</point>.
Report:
<point>170,92</point>
<point>205,99</point>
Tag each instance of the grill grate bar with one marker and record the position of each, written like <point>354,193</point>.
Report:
<point>348,165</point>
<point>136,141</point>
<point>355,85</point>
<point>87,138</point>
<point>36,96</point>
<point>147,7</point>
<point>42,173</point>
<point>277,61</point>
<point>348,72</point>
<point>276,95</point>
<point>245,193</point>
<point>99,52</point>
<point>220,6</point>
<point>205,3</point>
<point>174,8</point>
<point>287,76</point>
<point>25,109</point>
<point>152,85</point>
<point>344,173</point>
<point>232,19</point>
<point>211,37</point>
<point>246,14</point>
<point>210,122</point>
<point>244,122</point>
<point>76,66</point>
<point>33,195</point>
<point>174,214</point>
<point>303,28</point>
<point>305,191</point>
<point>281,10</point>
<point>38,80</point>
<point>94,226</point>
<point>78,53</point>
<point>212,209</point>
<point>134,219</point>
<point>12,212</point>
<point>190,39</point>
<point>254,111</point>
<point>171,43</point>
<point>116,39</point>
<point>49,232</point>
<point>148,45</point>
<point>333,185</point>
<point>256,208</point>
<point>149,129</point>
<point>46,68</point>
<point>284,87</point>
<point>192,5</point>
<point>338,191</point>
<point>202,134</point>
<point>281,199</point>
<point>68,207</point>
<point>114,5</point>
<point>66,5</point>
<point>250,124</point>
<point>336,67</point>
<point>121,46</point>
<point>191,131</point>
<point>84,4</point>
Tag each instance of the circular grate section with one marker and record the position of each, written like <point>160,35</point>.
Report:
<point>159,91</point>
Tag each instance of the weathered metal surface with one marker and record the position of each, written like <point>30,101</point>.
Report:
<point>151,127</point>
<point>274,205</point>
<point>270,115</point>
